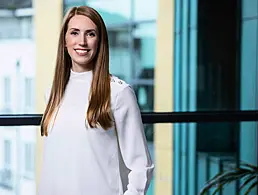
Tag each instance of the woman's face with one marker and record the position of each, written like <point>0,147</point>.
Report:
<point>81,41</point>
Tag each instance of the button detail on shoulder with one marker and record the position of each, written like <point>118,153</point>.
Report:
<point>117,80</point>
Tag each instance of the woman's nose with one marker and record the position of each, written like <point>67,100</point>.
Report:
<point>83,40</point>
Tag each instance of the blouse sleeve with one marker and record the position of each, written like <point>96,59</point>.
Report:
<point>132,142</point>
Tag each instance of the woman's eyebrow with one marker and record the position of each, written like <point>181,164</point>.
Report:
<point>87,31</point>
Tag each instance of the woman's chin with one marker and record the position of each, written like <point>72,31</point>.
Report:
<point>85,64</point>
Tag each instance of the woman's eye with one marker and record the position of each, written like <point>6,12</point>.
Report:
<point>91,34</point>
<point>74,33</point>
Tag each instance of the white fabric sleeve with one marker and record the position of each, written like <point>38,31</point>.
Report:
<point>132,142</point>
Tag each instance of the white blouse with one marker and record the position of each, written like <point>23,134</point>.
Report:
<point>78,160</point>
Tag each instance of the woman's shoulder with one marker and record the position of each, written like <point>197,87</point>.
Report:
<point>118,85</point>
<point>122,93</point>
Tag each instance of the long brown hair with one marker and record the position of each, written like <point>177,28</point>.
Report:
<point>99,109</point>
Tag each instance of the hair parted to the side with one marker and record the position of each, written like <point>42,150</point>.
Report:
<point>99,109</point>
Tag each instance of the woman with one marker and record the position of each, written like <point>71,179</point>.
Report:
<point>94,140</point>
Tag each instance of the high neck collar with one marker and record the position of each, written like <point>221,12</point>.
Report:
<point>81,76</point>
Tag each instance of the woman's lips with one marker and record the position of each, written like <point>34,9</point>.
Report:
<point>82,52</point>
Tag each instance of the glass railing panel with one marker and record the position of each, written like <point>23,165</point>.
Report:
<point>203,150</point>
<point>17,160</point>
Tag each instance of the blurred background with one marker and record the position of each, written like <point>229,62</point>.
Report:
<point>179,55</point>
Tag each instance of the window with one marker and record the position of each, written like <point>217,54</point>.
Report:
<point>7,92</point>
<point>16,27</point>
<point>29,155</point>
<point>142,14</point>
<point>7,154</point>
<point>28,93</point>
<point>120,53</point>
<point>6,179</point>
<point>114,12</point>
<point>26,26</point>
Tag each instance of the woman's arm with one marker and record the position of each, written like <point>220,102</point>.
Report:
<point>132,142</point>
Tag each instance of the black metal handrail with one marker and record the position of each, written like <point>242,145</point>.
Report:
<point>151,117</point>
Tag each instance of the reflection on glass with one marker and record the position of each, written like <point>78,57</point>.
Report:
<point>249,77</point>
<point>114,11</point>
<point>120,59</point>
<point>17,94</point>
<point>145,10</point>
<point>204,149</point>
<point>17,76</point>
<point>144,37</point>
<point>17,160</point>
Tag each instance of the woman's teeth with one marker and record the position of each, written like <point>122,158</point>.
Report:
<point>80,51</point>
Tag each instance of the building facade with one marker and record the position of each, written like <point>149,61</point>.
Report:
<point>177,55</point>
<point>17,86</point>
<point>215,69</point>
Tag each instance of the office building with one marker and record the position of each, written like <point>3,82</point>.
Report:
<point>178,55</point>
